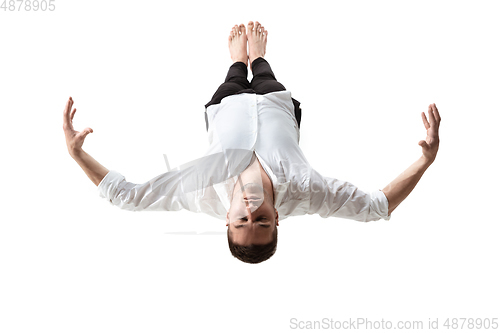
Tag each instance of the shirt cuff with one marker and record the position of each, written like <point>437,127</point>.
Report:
<point>380,205</point>
<point>109,184</point>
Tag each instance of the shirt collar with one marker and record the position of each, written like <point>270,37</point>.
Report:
<point>225,189</point>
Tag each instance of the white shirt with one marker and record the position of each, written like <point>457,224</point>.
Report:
<point>241,128</point>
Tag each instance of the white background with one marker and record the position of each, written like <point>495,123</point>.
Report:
<point>140,74</point>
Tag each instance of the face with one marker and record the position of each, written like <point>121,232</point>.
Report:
<point>252,216</point>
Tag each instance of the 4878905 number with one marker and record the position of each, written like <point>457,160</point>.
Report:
<point>29,5</point>
<point>471,323</point>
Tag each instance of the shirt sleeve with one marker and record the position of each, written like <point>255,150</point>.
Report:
<point>163,192</point>
<point>190,186</point>
<point>337,198</point>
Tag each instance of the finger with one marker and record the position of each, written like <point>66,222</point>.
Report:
<point>73,114</point>
<point>436,113</point>
<point>432,119</point>
<point>66,115</point>
<point>67,107</point>
<point>424,119</point>
<point>423,144</point>
<point>83,134</point>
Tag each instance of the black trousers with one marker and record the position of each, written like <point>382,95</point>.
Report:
<point>263,82</point>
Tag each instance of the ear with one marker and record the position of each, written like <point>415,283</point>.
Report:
<point>277,217</point>
<point>227,219</point>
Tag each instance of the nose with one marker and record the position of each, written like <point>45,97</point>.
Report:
<point>252,206</point>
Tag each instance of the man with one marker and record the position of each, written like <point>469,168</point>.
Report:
<point>254,174</point>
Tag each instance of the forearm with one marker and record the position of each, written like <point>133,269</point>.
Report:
<point>402,186</point>
<point>94,170</point>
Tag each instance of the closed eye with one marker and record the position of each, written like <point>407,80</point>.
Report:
<point>262,225</point>
<point>261,218</point>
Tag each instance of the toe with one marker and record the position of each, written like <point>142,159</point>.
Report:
<point>257,26</point>
<point>242,29</point>
<point>250,27</point>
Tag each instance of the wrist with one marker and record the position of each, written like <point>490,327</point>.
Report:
<point>76,153</point>
<point>426,161</point>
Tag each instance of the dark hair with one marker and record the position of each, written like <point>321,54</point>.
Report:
<point>253,254</point>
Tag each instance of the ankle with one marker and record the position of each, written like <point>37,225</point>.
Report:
<point>255,58</point>
<point>239,60</point>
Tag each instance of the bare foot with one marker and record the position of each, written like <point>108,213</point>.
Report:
<point>238,44</point>
<point>257,41</point>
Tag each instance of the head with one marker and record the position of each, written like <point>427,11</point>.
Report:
<point>252,222</point>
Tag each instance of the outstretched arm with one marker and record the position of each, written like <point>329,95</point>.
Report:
<point>400,187</point>
<point>74,140</point>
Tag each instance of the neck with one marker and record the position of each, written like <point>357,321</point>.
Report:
<point>255,173</point>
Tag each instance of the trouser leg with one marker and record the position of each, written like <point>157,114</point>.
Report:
<point>264,82</point>
<point>236,81</point>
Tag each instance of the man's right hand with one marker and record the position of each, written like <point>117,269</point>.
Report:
<point>430,145</point>
<point>74,139</point>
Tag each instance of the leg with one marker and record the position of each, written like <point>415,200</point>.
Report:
<point>236,79</point>
<point>264,81</point>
